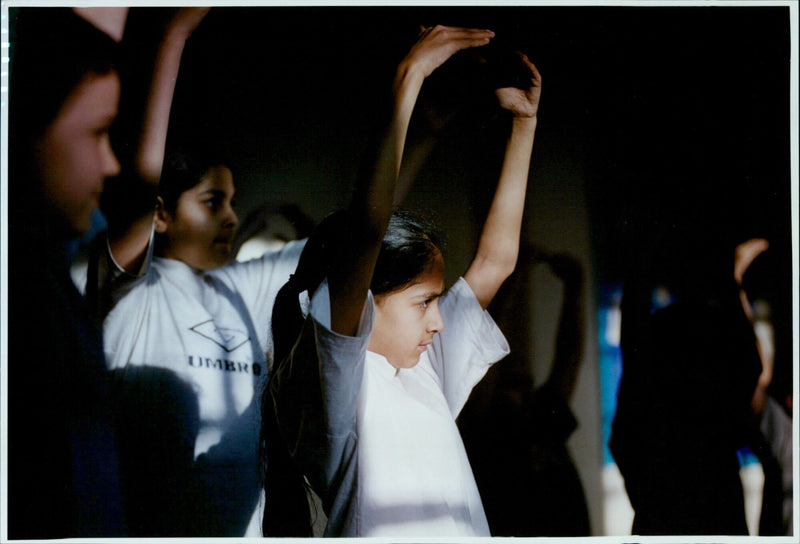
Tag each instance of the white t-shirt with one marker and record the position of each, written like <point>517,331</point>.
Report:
<point>211,330</point>
<point>394,463</point>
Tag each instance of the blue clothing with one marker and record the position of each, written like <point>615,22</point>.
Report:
<point>63,477</point>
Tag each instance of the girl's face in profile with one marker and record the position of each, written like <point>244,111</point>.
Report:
<point>406,320</point>
<point>74,155</point>
<point>200,232</point>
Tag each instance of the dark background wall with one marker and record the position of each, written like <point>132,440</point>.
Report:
<point>681,114</point>
<point>660,127</point>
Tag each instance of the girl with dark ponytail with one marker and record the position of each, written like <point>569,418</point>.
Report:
<point>367,382</point>
<point>408,248</point>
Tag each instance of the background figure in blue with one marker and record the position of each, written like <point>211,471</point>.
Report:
<point>62,457</point>
<point>684,402</point>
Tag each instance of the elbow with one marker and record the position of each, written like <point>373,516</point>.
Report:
<point>505,269</point>
<point>505,263</point>
<point>148,168</point>
<point>498,256</point>
<point>497,269</point>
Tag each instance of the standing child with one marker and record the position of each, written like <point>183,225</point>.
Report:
<point>369,384</point>
<point>63,480</point>
<point>185,329</point>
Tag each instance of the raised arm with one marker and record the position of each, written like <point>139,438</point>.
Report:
<point>371,207</point>
<point>744,255</point>
<point>498,248</point>
<point>131,219</point>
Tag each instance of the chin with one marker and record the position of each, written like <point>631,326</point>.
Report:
<point>224,255</point>
<point>219,260</point>
<point>411,363</point>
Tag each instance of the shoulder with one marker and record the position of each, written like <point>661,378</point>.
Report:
<point>272,266</point>
<point>288,252</point>
<point>460,299</point>
<point>468,330</point>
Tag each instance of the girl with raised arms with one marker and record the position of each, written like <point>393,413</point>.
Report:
<point>370,377</point>
<point>186,329</point>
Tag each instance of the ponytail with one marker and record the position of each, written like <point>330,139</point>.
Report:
<point>293,396</point>
<point>287,512</point>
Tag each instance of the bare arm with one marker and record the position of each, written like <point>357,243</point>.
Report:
<point>129,232</point>
<point>744,255</point>
<point>498,248</point>
<point>110,20</point>
<point>371,207</point>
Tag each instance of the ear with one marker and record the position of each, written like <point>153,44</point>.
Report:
<point>162,219</point>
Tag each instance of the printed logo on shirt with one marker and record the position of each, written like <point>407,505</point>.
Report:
<point>226,338</point>
<point>225,365</point>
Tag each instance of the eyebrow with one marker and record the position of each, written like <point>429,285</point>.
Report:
<point>431,294</point>
<point>215,192</point>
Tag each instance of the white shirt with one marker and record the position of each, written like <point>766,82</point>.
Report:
<point>211,330</point>
<point>394,463</point>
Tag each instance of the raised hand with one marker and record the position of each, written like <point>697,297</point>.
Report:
<point>186,19</point>
<point>745,254</point>
<point>499,243</point>
<point>438,43</point>
<point>110,20</point>
<point>522,102</point>
<point>148,109</point>
<point>371,206</point>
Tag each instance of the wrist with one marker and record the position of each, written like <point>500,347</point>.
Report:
<point>176,37</point>
<point>177,32</point>
<point>407,78</point>
<point>524,123</point>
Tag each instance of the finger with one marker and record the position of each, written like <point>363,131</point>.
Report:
<point>470,40</point>
<point>462,30</point>
<point>457,34</point>
<point>753,247</point>
<point>439,43</point>
<point>535,75</point>
<point>475,36</point>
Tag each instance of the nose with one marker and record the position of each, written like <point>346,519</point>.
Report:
<point>231,219</point>
<point>110,163</point>
<point>436,323</point>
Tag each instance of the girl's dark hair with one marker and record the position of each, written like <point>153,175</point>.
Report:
<point>408,249</point>
<point>52,51</point>
<point>286,509</point>
<point>182,170</point>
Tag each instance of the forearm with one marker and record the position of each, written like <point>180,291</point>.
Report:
<point>371,210</point>
<point>381,186</point>
<point>500,237</point>
<point>498,247</point>
<point>149,157</point>
<point>371,207</point>
<point>131,202</point>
